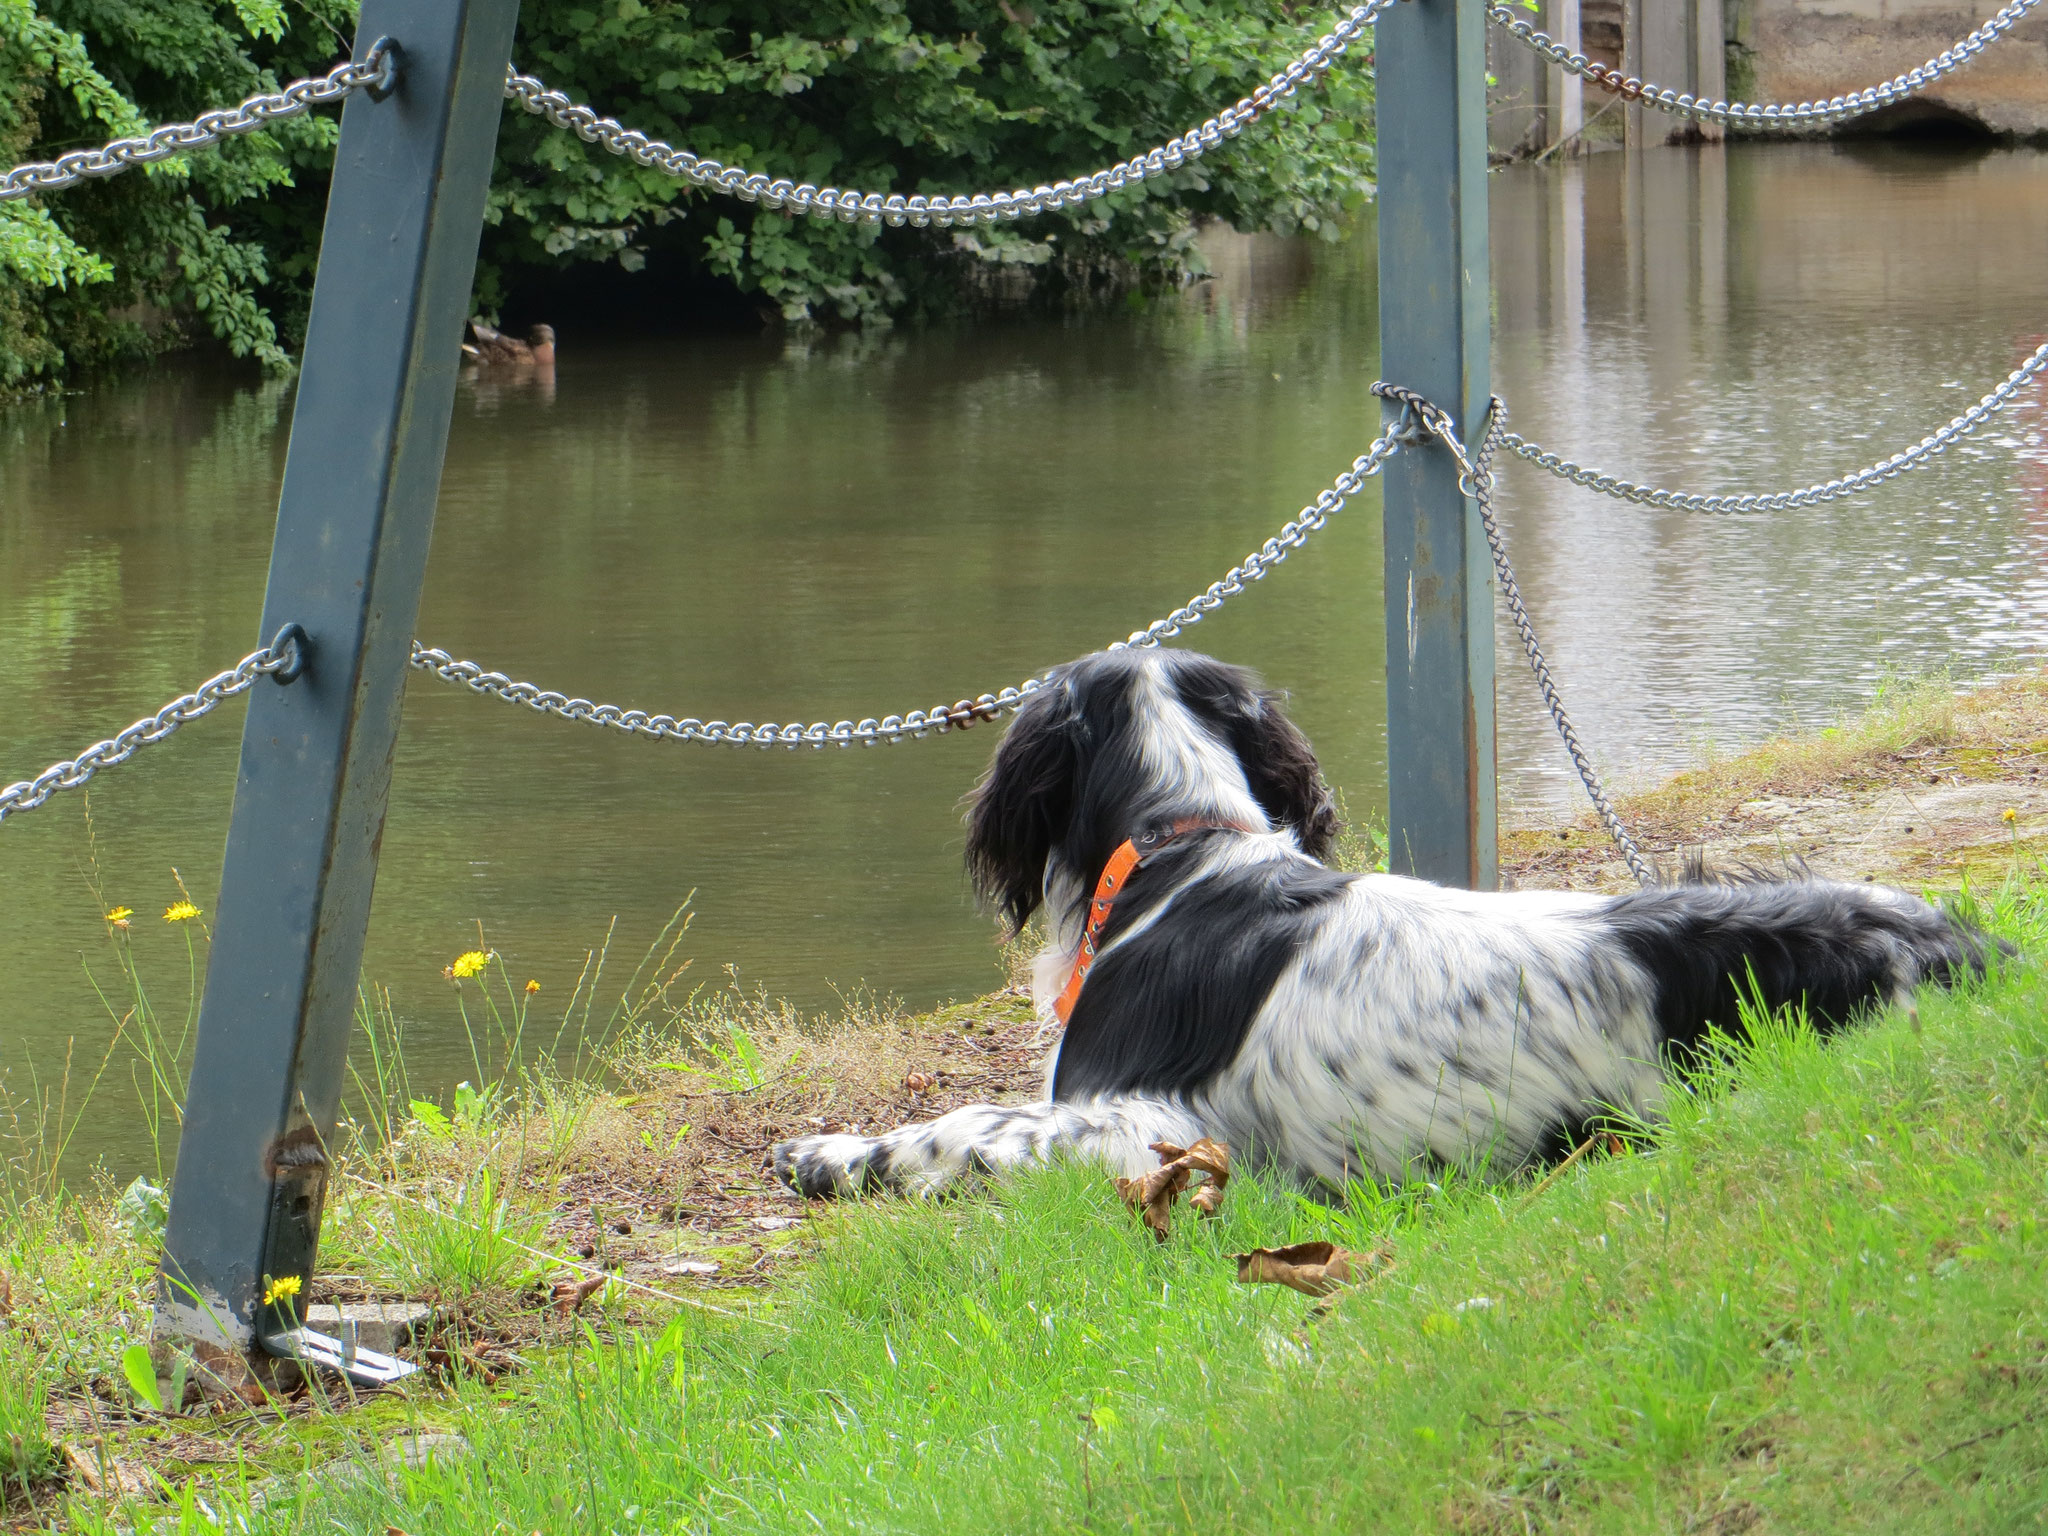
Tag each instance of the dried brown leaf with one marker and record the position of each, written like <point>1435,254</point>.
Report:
<point>569,1295</point>
<point>1314,1269</point>
<point>1152,1194</point>
<point>1213,1159</point>
<point>1210,1157</point>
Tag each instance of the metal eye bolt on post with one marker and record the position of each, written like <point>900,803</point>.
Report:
<point>1435,288</point>
<point>355,516</point>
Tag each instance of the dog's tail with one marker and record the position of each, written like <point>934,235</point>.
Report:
<point>1833,949</point>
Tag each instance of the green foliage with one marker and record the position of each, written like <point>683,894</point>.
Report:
<point>218,239</point>
<point>474,1111</point>
<point>894,95</point>
<point>138,1369</point>
<point>142,1211</point>
<point>733,1064</point>
<point>918,96</point>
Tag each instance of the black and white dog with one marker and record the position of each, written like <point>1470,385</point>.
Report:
<point>1331,1024</point>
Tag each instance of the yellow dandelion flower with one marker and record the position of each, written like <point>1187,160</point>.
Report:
<point>468,965</point>
<point>279,1290</point>
<point>532,987</point>
<point>120,914</point>
<point>180,912</point>
<point>2009,814</point>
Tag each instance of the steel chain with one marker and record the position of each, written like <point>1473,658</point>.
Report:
<point>377,70</point>
<point>1865,479</point>
<point>1475,479</point>
<point>919,723</point>
<point>1750,114</point>
<point>283,658</point>
<point>855,207</point>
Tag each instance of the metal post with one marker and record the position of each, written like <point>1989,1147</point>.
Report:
<point>397,258</point>
<point>1434,298</point>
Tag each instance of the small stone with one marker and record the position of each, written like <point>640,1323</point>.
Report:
<point>775,1223</point>
<point>100,1473</point>
<point>698,1267</point>
<point>379,1325</point>
<point>415,1451</point>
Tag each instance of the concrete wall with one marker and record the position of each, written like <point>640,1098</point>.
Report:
<point>1799,50</point>
<point>1764,50</point>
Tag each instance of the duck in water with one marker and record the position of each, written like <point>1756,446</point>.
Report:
<point>493,348</point>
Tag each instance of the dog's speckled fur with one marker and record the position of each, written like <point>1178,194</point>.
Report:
<point>1329,1023</point>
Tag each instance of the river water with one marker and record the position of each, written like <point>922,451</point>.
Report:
<point>764,529</point>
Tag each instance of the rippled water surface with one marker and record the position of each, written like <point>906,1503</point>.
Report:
<point>857,526</point>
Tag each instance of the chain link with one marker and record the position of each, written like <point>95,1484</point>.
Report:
<point>853,207</point>
<point>283,658</point>
<point>376,71</point>
<point>1865,479</point>
<point>1750,114</point>
<point>1475,480</point>
<point>919,723</point>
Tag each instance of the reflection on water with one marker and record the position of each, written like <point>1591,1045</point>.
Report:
<point>1759,318</point>
<point>717,527</point>
<point>860,526</point>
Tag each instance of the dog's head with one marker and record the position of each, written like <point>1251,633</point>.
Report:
<point>1123,742</point>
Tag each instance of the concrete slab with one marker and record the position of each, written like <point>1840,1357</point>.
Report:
<point>379,1325</point>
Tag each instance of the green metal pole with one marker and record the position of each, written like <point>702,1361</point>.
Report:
<point>397,257</point>
<point>1430,75</point>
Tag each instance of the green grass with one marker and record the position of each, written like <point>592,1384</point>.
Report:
<point>468,1243</point>
<point>1813,1303</point>
<point>26,1455</point>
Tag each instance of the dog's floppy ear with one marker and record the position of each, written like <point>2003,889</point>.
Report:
<point>1023,804</point>
<point>1281,769</point>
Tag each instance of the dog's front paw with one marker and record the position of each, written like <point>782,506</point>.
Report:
<point>821,1167</point>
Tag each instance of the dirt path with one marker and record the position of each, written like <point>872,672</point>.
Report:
<point>1928,790</point>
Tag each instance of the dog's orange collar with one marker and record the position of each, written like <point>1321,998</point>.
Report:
<point>1128,856</point>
